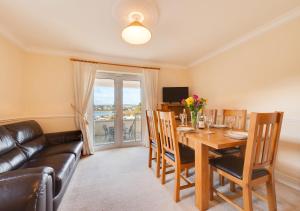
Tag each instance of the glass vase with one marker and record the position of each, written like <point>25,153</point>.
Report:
<point>194,119</point>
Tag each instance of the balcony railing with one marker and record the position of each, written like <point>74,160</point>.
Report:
<point>105,130</point>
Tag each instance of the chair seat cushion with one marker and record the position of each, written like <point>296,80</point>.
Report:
<point>187,155</point>
<point>234,165</point>
<point>74,147</point>
<point>62,165</point>
<point>227,151</point>
<point>154,144</point>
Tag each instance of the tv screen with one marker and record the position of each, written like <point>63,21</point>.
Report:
<point>174,94</point>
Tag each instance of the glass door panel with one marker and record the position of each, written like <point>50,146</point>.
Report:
<point>132,127</point>
<point>104,112</point>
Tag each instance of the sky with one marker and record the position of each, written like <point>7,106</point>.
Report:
<point>105,96</point>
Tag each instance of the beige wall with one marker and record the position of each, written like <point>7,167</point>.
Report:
<point>171,77</point>
<point>40,86</point>
<point>49,89</point>
<point>11,80</point>
<point>261,75</point>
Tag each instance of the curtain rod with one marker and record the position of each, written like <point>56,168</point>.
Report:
<point>115,64</point>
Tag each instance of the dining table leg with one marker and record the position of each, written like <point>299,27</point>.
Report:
<point>201,176</point>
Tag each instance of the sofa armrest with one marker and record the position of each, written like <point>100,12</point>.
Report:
<point>27,189</point>
<point>63,137</point>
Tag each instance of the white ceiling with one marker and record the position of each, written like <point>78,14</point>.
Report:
<point>185,31</point>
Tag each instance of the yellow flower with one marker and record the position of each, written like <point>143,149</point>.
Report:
<point>189,101</point>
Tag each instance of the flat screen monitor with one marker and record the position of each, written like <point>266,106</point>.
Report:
<point>175,94</point>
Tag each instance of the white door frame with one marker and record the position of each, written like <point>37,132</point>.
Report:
<point>118,100</point>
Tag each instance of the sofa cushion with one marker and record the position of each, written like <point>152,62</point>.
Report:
<point>34,146</point>
<point>29,136</point>
<point>7,143</point>
<point>61,163</point>
<point>25,131</point>
<point>12,160</point>
<point>11,157</point>
<point>74,147</point>
<point>26,191</point>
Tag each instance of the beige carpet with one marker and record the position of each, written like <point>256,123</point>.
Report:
<point>119,180</point>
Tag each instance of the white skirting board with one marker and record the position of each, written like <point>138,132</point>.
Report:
<point>287,180</point>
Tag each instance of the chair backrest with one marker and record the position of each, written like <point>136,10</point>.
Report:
<point>152,124</point>
<point>213,113</point>
<point>168,136</point>
<point>262,142</point>
<point>240,118</point>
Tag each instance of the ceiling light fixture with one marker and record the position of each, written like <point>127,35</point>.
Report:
<point>136,33</point>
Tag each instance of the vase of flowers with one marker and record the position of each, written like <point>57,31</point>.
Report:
<point>194,104</point>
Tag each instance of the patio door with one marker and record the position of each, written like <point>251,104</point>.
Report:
<point>117,110</point>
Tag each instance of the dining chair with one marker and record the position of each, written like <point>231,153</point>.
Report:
<point>258,165</point>
<point>239,123</point>
<point>154,140</point>
<point>177,155</point>
<point>213,113</point>
<point>239,118</point>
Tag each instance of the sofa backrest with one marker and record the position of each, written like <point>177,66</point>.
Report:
<point>29,136</point>
<point>11,156</point>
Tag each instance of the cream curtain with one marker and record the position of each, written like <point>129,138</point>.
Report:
<point>150,81</point>
<point>84,78</point>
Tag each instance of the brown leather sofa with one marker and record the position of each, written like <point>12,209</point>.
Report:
<point>35,168</point>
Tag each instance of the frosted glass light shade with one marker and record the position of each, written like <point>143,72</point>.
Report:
<point>136,33</point>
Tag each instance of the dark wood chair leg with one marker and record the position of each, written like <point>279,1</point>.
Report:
<point>211,186</point>
<point>232,187</point>
<point>187,172</point>
<point>221,180</point>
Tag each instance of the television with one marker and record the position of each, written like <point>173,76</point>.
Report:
<point>175,94</point>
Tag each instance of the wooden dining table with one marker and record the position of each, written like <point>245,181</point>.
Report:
<point>201,141</point>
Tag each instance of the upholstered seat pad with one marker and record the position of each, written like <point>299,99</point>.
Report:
<point>154,144</point>
<point>187,155</point>
<point>62,165</point>
<point>234,166</point>
<point>227,151</point>
<point>71,147</point>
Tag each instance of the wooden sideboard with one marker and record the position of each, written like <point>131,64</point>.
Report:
<point>176,108</point>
